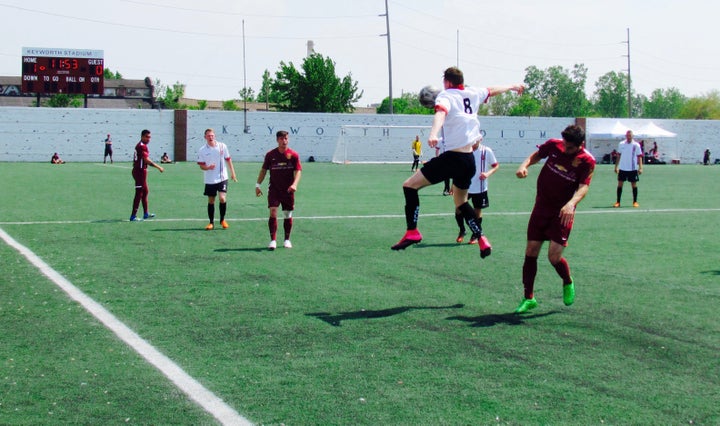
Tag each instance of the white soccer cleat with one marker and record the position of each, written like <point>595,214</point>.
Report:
<point>272,245</point>
<point>287,244</point>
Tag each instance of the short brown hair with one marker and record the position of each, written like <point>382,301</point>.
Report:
<point>281,133</point>
<point>454,76</point>
<point>574,134</point>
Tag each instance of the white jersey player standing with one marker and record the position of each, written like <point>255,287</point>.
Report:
<point>456,121</point>
<point>212,158</point>
<point>485,165</point>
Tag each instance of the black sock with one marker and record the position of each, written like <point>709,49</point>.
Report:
<point>223,209</point>
<point>211,212</point>
<point>412,207</point>
<point>469,214</point>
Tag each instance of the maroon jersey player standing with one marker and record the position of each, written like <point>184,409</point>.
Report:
<point>141,160</point>
<point>563,181</point>
<point>285,170</point>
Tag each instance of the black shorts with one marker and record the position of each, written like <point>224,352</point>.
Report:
<point>211,189</point>
<point>108,149</point>
<point>629,176</point>
<point>480,201</point>
<point>458,166</point>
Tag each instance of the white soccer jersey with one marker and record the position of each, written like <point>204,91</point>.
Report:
<point>461,126</point>
<point>628,155</point>
<point>217,155</point>
<point>484,160</point>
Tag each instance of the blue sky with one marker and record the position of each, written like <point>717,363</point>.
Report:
<point>200,44</point>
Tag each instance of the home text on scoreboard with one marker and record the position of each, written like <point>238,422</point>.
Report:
<point>69,71</point>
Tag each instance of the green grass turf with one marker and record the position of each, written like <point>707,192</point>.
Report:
<point>342,330</point>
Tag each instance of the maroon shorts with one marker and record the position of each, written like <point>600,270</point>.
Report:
<point>545,225</point>
<point>140,177</point>
<point>281,198</point>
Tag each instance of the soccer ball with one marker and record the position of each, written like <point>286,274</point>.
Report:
<point>427,96</point>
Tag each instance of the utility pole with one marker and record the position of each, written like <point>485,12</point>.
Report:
<point>629,80</point>
<point>245,92</point>
<point>387,34</point>
<point>457,49</point>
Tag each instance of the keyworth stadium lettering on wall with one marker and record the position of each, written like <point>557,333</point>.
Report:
<point>387,132</point>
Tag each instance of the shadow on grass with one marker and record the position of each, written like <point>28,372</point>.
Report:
<point>453,244</point>
<point>197,229</point>
<point>253,249</point>
<point>716,272</point>
<point>336,319</point>
<point>497,319</point>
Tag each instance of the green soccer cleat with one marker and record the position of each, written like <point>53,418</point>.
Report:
<point>569,293</point>
<point>526,305</point>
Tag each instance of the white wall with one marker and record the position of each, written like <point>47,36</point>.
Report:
<point>78,134</point>
<point>33,134</point>
<point>316,135</point>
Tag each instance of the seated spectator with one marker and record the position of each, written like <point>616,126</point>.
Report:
<point>56,159</point>
<point>165,158</point>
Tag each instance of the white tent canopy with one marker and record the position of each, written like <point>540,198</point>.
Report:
<point>617,130</point>
<point>652,130</point>
<point>607,131</point>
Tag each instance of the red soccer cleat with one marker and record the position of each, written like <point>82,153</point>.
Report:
<point>485,247</point>
<point>411,237</point>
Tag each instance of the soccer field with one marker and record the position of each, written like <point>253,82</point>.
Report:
<point>340,330</point>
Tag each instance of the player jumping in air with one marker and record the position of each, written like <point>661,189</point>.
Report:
<point>456,127</point>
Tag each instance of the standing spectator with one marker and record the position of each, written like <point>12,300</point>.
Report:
<point>485,166</point>
<point>562,183</point>
<point>455,116</point>
<point>416,152</point>
<point>285,170</point>
<point>141,160</point>
<point>628,167</point>
<point>210,159</point>
<point>706,157</point>
<point>108,149</point>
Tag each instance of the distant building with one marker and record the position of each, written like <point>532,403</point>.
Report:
<point>126,94</point>
<point>117,93</point>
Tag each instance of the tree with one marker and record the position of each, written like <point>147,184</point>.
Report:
<point>170,96</point>
<point>706,107</point>
<point>63,100</point>
<point>109,75</point>
<point>247,94</point>
<point>407,103</point>
<point>525,106</point>
<point>266,93</point>
<point>610,98</point>
<point>559,92</point>
<point>316,88</point>
<point>229,106</point>
<point>499,105</point>
<point>664,103</point>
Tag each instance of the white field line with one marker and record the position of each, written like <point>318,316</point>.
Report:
<point>196,391</point>
<point>369,216</point>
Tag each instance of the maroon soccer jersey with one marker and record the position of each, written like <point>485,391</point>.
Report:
<point>282,167</point>
<point>561,175</point>
<point>142,153</point>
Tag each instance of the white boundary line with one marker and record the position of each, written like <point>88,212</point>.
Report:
<point>192,388</point>
<point>370,216</point>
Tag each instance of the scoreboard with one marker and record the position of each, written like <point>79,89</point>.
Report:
<point>69,71</point>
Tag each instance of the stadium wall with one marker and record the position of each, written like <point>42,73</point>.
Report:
<point>33,134</point>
